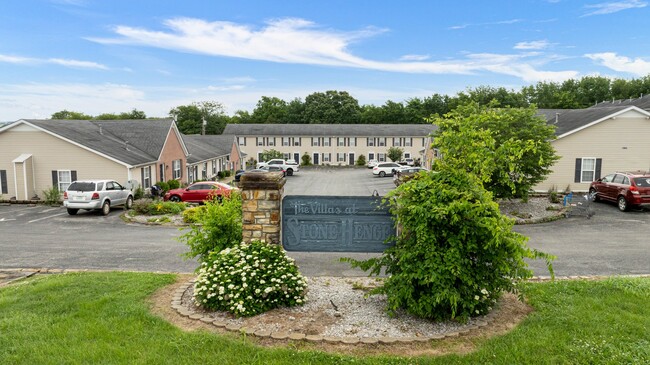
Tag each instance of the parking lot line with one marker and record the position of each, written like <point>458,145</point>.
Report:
<point>50,216</point>
<point>17,210</point>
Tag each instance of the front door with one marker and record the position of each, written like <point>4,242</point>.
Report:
<point>351,156</point>
<point>316,158</point>
<point>296,157</point>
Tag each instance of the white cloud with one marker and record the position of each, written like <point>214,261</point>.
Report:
<point>299,41</point>
<point>611,60</point>
<point>55,61</point>
<point>543,44</point>
<point>500,22</point>
<point>414,57</point>
<point>614,7</point>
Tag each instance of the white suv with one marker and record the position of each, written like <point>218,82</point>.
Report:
<point>386,168</point>
<point>96,194</point>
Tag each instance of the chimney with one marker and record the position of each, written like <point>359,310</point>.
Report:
<point>203,124</point>
<point>557,117</point>
<point>126,145</point>
<point>101,131</point>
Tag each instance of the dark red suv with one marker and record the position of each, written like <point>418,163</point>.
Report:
<point>627,189</point>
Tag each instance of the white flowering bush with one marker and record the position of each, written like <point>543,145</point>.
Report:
<point>249,279</point>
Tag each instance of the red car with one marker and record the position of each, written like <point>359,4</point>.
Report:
<point>627,189</point>
<point>199,192</point>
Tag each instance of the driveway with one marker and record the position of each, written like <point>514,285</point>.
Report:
<point>37,236</point>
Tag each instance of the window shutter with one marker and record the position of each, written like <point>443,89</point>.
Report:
<point>3,181</point>
<point>55,179</point>
<point>578,169</point>
<point>73,175</point>
<point>142,178</point>
<point>599,163</point>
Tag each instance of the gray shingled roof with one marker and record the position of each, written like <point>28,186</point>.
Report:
<point>642,103</point>
<point>133,142</point>
<point>571,119</point>
<point>208,147</point>
<point>334,130</point>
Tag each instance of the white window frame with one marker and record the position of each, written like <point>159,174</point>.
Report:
<point>146,177</point>
<point>315,142</point>
<point>62,184</point>
<point>296,141</point>
<point>397,142</point>
<point>370,142</point>
<point>176,169</point>
<point>381,142</point>
<point>285,141</point>
<point>408,142</point>
<point>340,156</point>
<point>204,173</point>
<point>259,141</point>
<point>407,155</point>
<point>327,142</point>
<point>371,155</point>
<point>583,170</point>
<point>270,141</point>
<point>214,167</point>
<point>242,141</point>
<point>286,155</point>
<point>381,157</point>
<point>327,157</point>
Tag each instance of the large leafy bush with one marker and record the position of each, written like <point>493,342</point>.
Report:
<point>455,253</point>
<point>248,279</point>
<point>220,227</point>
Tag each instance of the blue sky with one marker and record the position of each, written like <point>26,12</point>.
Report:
<point>110,56</point>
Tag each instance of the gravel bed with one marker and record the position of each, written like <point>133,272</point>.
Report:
<point>337,307</point>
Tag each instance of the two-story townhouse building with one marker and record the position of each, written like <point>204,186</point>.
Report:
<point>333,144</point>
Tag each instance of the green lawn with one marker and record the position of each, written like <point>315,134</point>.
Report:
<point>103,318</point>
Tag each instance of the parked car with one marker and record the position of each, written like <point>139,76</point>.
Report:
<point>627,189</point>
<point>289,169</point>
<point>409,161</point>
<point>404,173</point>
<point>372,163</point>
<point>274,168</point>
<point>385,168</point>
<point>199,192</point>
<point>238,175</point>
<point>96,194</point>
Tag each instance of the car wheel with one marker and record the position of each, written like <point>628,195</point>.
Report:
<point>175,198</point>
<point>72,211</point>
<point>129,203</point>
<point>290,172</point>
<point>106,208</point>
<point>593,195</point>
<point>622,204</point>
<point>382,174</point>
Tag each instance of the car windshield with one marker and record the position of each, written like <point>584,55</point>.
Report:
<point>82,186</point>
<point>643,182</point>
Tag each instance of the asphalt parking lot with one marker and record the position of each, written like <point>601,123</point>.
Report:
<point>38,236</point>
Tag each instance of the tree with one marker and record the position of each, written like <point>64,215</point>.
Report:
<point>189,118</point>
<point>331,107</point>
<point>305,159</point>
<point>509,149</point>
<point>395,153</point>
<point>270,110</point>
<point>361,160</point>
<point>270,154</point>
<point>65,114</point>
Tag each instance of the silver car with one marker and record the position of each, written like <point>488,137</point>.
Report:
<point>96,194</point>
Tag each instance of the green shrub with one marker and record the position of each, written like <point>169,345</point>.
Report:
<point>164,186</point>
<point>305,160</point>
<point>220,227</point>
<point>456,253</point>
<point>155,207</point>
<point>52,196</point>
<point>138,193</point>
<point>227,173</point>
<point>173,184</point>
<point>249,279</point>
<point>221,174</point>
<point>191,215</point>
<point>361,161</point>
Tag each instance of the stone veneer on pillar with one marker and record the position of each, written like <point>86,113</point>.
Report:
<point>261,206</point>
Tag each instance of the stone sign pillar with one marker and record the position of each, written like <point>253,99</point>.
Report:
<point>261,206</point>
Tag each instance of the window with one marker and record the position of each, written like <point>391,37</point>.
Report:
<point>381,157</point>
<point>270,141</point>
<point>214,167</point>
<point>340,142</point>
<point>588,171</point>
<point>285,141</point>
<point>146,177</point>
<point>397,142</point>
<point>242,141</point>
<point>340,157</point>
<point>286,156</point>
<point>353,142</point>
<point>64,179</point>
<point>327,157</point>
<point>382,141</point>
<point>371,156</point>
<point>204,173</point>
<point>408,142</point>
<point>370,142</point>
<point>327,142</point>
<point>315,141</point>
<point>176,169</point>
<point>407,155</point>
<point>3,182</point>
<point>260,141</point>
<point>296,141</point>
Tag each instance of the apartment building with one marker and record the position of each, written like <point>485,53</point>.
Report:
<point>333,144</point>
